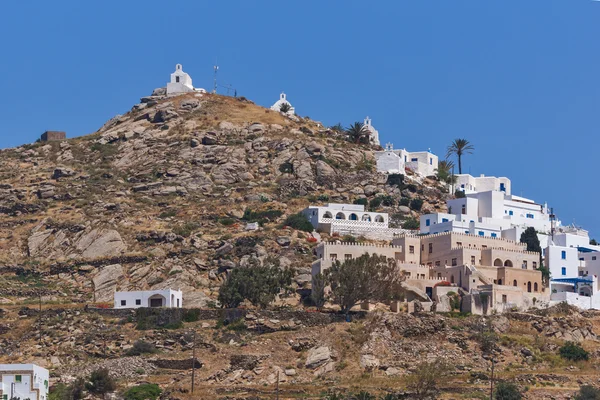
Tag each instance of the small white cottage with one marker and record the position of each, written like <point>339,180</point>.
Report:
<point>168,298</point>
<point>181,82</point>
<point>283,100</point>
<point>23,381</point>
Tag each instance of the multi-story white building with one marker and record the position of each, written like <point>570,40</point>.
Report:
<point>391,161</point>
<point>149,298</point>
<point>470,184</point>
<point>23,381</point>
<point>351,219</point>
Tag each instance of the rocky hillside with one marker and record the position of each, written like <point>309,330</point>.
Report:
<point>160,197</point>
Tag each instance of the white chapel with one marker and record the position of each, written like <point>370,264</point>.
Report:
<point>283,100</point>
<point>181,82</point>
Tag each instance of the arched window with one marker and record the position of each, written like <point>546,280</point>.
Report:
<point>535,287</point>
<point>327,215</point>
<point>378,218</point>
<point>340,216</point>
<point>451,278</point>
<point>529,287</point>
<point>508,263</point>
<point>515,283</point>
<point>366,217</point>
<point>353,217</point>
<point>497,262</point>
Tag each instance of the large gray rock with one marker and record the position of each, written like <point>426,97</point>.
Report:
<point>324,170</point>
<point>105,282</point>
<point>162,91</point>
<point>369,362</point>
<point>101,243</point>
<point>317,356</point>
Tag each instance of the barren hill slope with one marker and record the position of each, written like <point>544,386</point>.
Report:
<point>156,198</point>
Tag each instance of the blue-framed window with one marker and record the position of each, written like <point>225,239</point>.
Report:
<point>563,271</point>
<point>427,222</point>
<point>466,231</point>
<point>563,255</point>
<point>510,212</point>
<point>481,233</point>
<point>444,219</point>
<point>414,159</point>
<point>502,187</point>
<point>430,160</point>
<point>494,235</point>
<point>529,216</point>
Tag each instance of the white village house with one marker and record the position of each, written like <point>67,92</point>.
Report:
<point>181,82</point>
<point>23,381</point>
<point>283,100</point>
<point>394,161</point>
<point>351,219</point>
<point>470,184</point>
<point>168,298</point>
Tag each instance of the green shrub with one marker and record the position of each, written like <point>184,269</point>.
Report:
<point>140,347</point>
<point>405,201</point>
<point>412,187</point>
<point>416,204</point>
<point>168,213</point>
<point>299,222</point>
<point>101,382</point>
<point>411,223</point>
<point>146,391</point>
<point>227,221</point>
<point>375,203</point>
<point>395,180</point>
<point>459,194</point>
<point>191,315</point>
<point>323,197</point>
<point>573,352</point>
<point>261,217</point>
<point>362,201</point>
<point>286,168</point>
<point>186,229</point>
<point>507,391</point>
<point>588,392</point>
<point>388,201</point>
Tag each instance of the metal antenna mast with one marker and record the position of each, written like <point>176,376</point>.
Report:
<point>216,68</point>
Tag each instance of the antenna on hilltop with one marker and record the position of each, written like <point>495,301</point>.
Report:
<point>216,68</point>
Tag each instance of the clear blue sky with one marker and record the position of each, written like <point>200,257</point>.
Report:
<point>519,79</point>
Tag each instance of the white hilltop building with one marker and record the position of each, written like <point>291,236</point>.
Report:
<point>351,219</point>
<point>23,381</point>
<point>181,82</point>
<point>394,161</point>
<point>373,133</point>
<point>470,184</point>
<point>168,298</point>
<point>283,100</point>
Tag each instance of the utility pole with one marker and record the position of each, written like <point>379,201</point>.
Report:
<point>277,384</point>
<point>492,381</point>
<point>193,360</point>
<point>216,68</point>
<point>40,319</point>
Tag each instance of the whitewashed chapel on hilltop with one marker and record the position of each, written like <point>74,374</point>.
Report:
<point>283,100</point>
<point>181,82</point>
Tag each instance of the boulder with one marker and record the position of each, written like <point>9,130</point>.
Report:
<point>284,241</point>
<point>105,282</point>
<point>162,91</point>
<point>209,139</point>
<point>369,362</point>
<point>60,172</point>
<point>164,115</point>
<point>404,209</point>
<point>317,356</point>
<point>101,243</point>
<point>370,190</point>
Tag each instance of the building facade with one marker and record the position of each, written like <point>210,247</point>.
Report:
<point>392,161</point>
<point>149,298</point>
<point>50,136</point>
<point>181,82</point>
<point>24,381</point>
<point>373,133</point>
<point>470,184</point>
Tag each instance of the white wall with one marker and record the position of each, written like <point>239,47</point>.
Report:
<point>31,375</point>
<point>471,184</point>
<point>559,257</point>
<point>389,162</point>
<point>138,299</point>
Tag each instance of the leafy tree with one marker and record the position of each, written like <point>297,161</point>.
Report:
<point>530,237</point>
<point>459,147</point>
<point>411,223</point>
<point>358,133</point>
<point>459,194</point>
<point>507,391</point>
<point>259,284</point>
<point>146,391</point>
<point>375,203</point>
<point>368,277</point>
<point>416,204</point>
<point>299,222</point>
<point>101,382</point>
<point>573,352</point>
<point>424,382</point>
<point>388,201</point>
<point>363,201</point>
<point>285,108</point>
<point>588,392</point>
<point>593,242</point>
<point>404,201</point>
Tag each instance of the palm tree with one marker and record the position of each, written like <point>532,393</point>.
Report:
<point>444,171</point>
<point>460,147</point>
<point>357,132</point>
<point>285,107</point>
<point>337,127</point>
